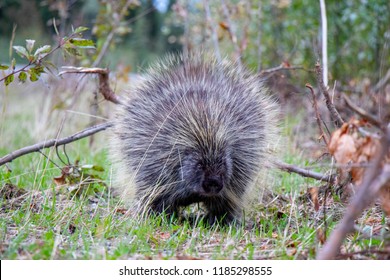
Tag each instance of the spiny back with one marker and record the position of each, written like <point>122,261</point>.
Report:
<point>196,130</point>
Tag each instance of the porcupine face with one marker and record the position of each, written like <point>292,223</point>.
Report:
<point>205,176</point>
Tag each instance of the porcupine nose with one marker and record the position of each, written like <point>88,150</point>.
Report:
<point>212,185</point>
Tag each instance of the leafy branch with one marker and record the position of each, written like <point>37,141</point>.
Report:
<point>37,62</point>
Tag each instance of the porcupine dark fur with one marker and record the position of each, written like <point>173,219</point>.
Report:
<point>194,131</point>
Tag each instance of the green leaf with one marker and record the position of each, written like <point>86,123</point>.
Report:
<point>33,75</point>
<point>98,168</point>
<point>3,67</point>
<point>38,70</point>
<point>72,51</point>
<point>22,77</point>
<point>21,51</point>
<point>30,45</point>
<point>44,49</point>
<point>9,79</point>
<point>80,29</point>
<point>82,43</point>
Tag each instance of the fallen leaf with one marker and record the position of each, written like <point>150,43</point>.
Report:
<point>321,236</point>
<point>224,25</point>
<point>314,197</point>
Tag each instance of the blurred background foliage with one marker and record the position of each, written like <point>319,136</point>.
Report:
<point>131,33</point>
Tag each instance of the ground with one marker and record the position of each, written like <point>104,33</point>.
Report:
<point>59,204</point>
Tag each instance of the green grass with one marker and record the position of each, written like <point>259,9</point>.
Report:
<point>83,220</point>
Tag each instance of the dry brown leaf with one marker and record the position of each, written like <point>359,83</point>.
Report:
<point>349,147</point>
<point>367,149</point>
<point>345,150</point>
<point>164,235</point>
<point>314,197</point>
<point>321,236</point>
<point>61,180</point>
<point>354,151</point>
<point>121,210</point>
<point>286,64</point>
<point>334,139</point>
<point>224,25</point>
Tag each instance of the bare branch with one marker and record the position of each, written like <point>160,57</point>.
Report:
<point>282,67</point>
<point>54,142</point>
<point>104,85</point>
<point>117,21</point>
<point>371,118</point>
<point>318,117</point>
<point>375,177</point>
<point>304,172</point>
<point>105,47</point>
<point>336,118</point>
<point>382,82</point>
<point>61,43</point>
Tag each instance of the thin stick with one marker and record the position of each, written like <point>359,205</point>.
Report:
<point>54,142</point>
<point>304,172</point>
<point>382,82</point>
<point>282,67</point>
<point>318,117</point>
<point>336,118</point>
<point>371,118</point>
<point>104,84</point>
<point>117,21</point>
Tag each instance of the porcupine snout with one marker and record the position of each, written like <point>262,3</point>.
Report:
<point>208,175</point>
<point>212,185</point>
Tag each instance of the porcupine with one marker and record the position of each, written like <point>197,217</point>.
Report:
<point>196,131</point>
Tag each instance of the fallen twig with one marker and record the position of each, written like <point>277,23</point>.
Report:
<point>105,90</point>
<point>54,142</point>
<point>304,172</point>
